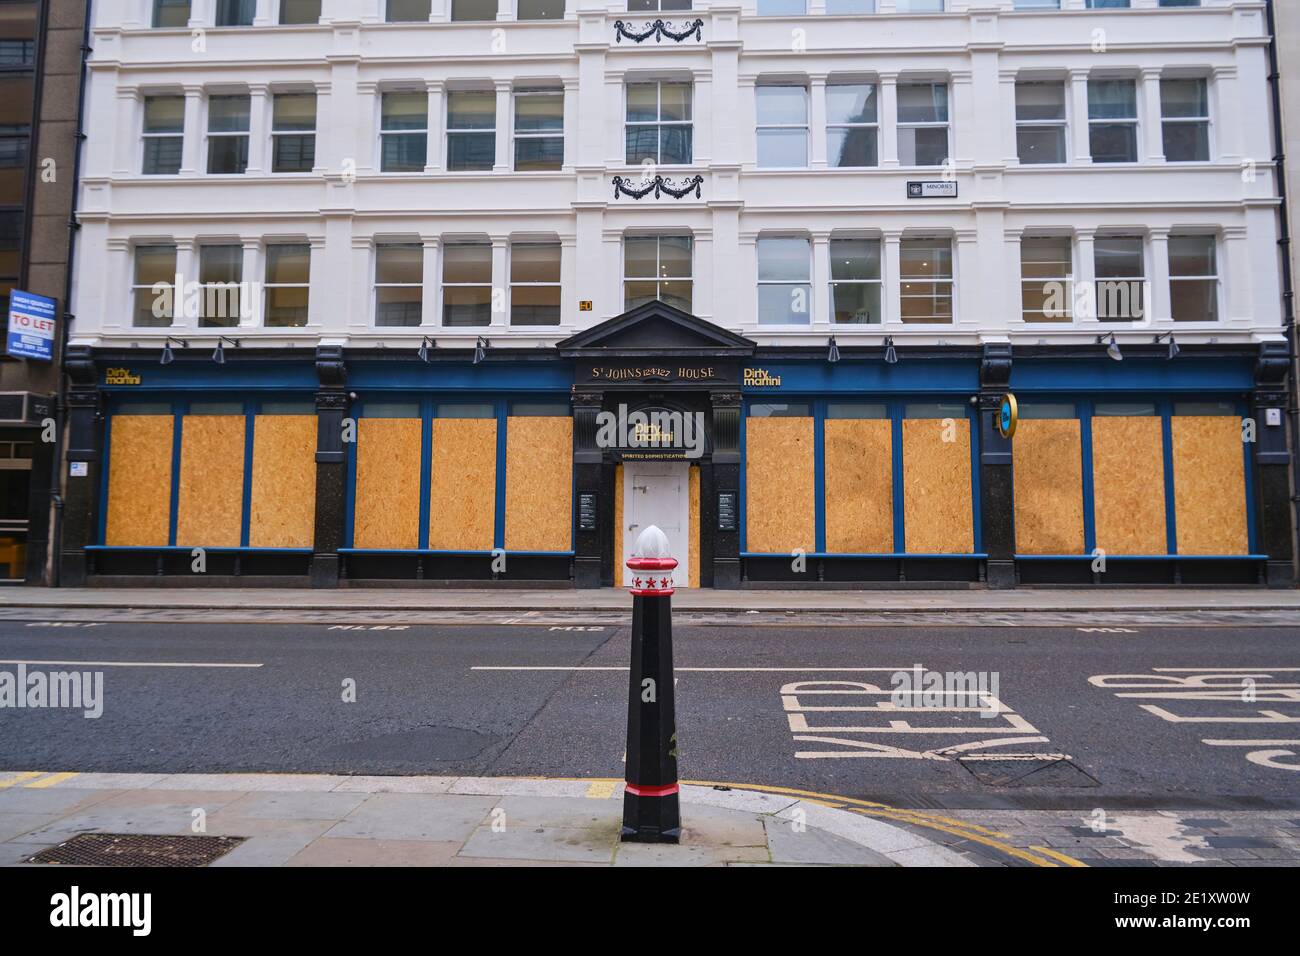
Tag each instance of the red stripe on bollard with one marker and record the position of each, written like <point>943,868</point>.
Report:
<point>652,791</point>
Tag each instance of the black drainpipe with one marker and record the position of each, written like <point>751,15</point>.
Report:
<point>1284,245</point>
<point>60,404</point>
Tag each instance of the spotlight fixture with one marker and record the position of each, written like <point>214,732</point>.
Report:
<point>891,357</point>
<point>1173,346</point>
<point>426,343</point>
<point>167,357</point>
<point>1112,348</point>
<point>832,351</point>
<point>480,349</point>
<point>219,353</point>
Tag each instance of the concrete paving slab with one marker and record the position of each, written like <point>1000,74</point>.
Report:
<point>16,824</point>
<point>395,784</point>
<point>713,826</point>
<point>280,844</point>
<point>659,854</point>
<point>416,816</point>
<point>296,805</point>
<point>561,812</point>
<point>814,845</point>
<point>333,851</point>
<point>586,845</point>
<point>246,781</point>
<point>51,800</point>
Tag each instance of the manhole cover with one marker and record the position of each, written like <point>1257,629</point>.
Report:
<point>137,849</point>
<point>1032,772</point>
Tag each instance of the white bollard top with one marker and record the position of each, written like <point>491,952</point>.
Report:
<point>652,543</point>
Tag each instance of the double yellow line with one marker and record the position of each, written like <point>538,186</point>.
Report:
<point>1040,855</point>
<point>35,779</point>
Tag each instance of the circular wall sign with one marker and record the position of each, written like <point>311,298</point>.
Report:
<point>1008,416</point>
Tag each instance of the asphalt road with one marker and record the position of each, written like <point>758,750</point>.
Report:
<point>490,699</point>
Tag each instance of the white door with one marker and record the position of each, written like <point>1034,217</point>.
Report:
<point>657,493</point>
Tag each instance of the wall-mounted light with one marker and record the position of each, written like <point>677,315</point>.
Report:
<point>480,349</point>
<point>167,357</point>
<point>426,343</point>
<point>1173,346</point>
<point>219,353</point>
<point>832,351</point>
<point>891,357</point>
<point>1112,349</point>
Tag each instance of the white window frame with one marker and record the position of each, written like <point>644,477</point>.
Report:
<point>511,284</point>
<point>376,285</point>
<point>516,135</point>
<point>444,285</point>
<point>136,288</point>
<point>1214,277</point>
<point>1133,121</point>
<point>468,131</point>
<point>1141,280</point>
<point>1063,124</point>
<point>210,135</point>
<point>268,286</point>
<point>383,133</point>
<point>657,278</point>
<point>950,281</point>
<point>204,286</point>
<point>946,124</point>
<point>146,136</point>
<point>659,122</point>
<point>787,283</point>
<point>805,126</point>
<point>1204,120</point>
<point>832,282</point>
<point>313,132</point>
<point>875,127</point>
<point>1067,280</point>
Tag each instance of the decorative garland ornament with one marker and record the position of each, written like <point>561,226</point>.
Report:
<point>658,185</point>
<point>658,29</point>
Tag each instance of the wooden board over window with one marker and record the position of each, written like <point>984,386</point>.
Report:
<point>779,500</point>
<point>1047,464</point>
<point>1128,471</point>
<point>937,504</point>
<point>539,483</point>
<point>139,481</point>
<point>1209,484</point>
<point>859,486</point>
<point>282,510</point>
<point>210,506</point>
<point>462,484</point>
<point>387,510</point>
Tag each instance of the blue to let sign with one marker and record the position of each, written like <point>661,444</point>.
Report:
<point>32,324</point>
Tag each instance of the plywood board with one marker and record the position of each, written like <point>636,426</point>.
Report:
<point>1047,464</point>
<point>1209,484</point>
<point>210,504</point>
<point>938,515</point>
<point>1128,472</point>
<point>694,535</point>
<point>282,510</point>
<point>859,486</point>
<point>462,484</point>
<point>779,498</point>
<point>618,525</point>
<point>387,512</point>
<point>139,481</point>
<point>539,483</point>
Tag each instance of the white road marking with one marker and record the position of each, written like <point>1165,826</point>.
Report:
<point>124,664</point>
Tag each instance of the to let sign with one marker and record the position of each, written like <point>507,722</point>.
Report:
<point>31,326</point>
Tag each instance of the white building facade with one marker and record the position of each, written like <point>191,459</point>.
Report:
<point>844,185</point>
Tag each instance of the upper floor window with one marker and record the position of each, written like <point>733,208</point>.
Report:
<point>466,10</point>
<point>221,271</point>
<point>657,267</point>
<point>15,51</point>
<point>1046,279</point>
<point>407,11</point>
<point>1119,267</point>
<point>235,13</point>
<point>164,134</point>
<point>288,285</point>
<point>467,284</point>
<point>539,130</point>
<point>1180,3</point>
<point>1038,4</point>
<point>855,281</point>
<point>922,124</point>
<point>540,10</point>
<point>299,11</point>
<point>399,284</point>
<point>153,290</point>
<point>782,126</point>
<point>782,8</point>
<point>535,283</point>
<point>404,132</point>
<point>471,129</point>
<point>842,8</point>
<point>784,281</point>
<point>851,125</point>
<point>293,133</point>
<point>925,273</point>
<point>1107,4</point>
<point>1112,121</point>
<point>919,6</point>
<point>659,124</point>
<point>1185,120</point>
<point>635,6</point>
<point>1040,122</point>
<point>171,13</point>
<point>228,119</point>
<point>1193,279</point>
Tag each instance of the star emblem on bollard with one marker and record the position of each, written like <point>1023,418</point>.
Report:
<point>663,582</point>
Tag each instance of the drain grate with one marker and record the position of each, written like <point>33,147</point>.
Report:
<point>1045,772</point>
<point>137,849</point>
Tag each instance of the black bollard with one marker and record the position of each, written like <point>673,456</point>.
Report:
<point>650,804</point>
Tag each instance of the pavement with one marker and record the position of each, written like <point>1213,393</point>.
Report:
<point>685,599</point>
<point>324,820</point>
